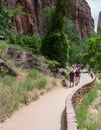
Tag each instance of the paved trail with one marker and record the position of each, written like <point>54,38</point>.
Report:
<point>47,113</point>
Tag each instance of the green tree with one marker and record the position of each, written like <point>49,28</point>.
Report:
<point>55,43</point>
<point>69,29</point>
<point>57,47</point>
<point>93,52</point>
<point>47,17</point>
<point>59,14</point>
<point>73,35</point>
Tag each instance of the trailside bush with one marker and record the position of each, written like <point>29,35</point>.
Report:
<point>93,52</point>
<point>56,47</point>
<point>33,42</point>
<point>53,65</point>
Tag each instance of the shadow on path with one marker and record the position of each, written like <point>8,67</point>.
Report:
<point>63,120</point>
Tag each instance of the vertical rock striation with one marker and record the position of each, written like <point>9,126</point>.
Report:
<point>81,15</point>
<point>99,24</point>
<point>32,22</point>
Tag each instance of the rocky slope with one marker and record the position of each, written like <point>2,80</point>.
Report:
<point>33,23</point>
<point>99,24</point>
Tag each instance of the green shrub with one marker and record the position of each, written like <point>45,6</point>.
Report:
<point>24,97</point>
<point>53,65</point>
<point>33,42</point>
<point>25,85</point>
<point>8,80</point>
<point>22,93</point>
<point>41,83</point>
<point>56,47</point>
<point>93,52</point>
<point>3,49</point>
<point>28,84</point>
<point>33,73</point>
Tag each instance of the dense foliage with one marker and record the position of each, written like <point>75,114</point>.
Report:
<point>73,35</point>
<point>33,42</point>
<point>47,17</point>
<point>56,44</point>
<point>61,42</point>
<point>93,52</point>
<point>56,47</point>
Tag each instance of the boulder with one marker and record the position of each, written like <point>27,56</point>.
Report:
<point>5,69</point>
<point>28,60</point>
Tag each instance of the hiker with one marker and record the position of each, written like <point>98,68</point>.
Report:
<point>90,72</point>
<point>89,69</point>
<point>71,78</point>
<point>82,67</point>
<point>76,76</point>
<point>79,74</point>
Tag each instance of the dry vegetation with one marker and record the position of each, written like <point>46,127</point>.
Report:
<point>28,86</point>
<point>93,120</point>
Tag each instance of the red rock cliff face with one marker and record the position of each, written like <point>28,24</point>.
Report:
<point>99,24</point>
<point>33,23</point>
<point>81,15</point>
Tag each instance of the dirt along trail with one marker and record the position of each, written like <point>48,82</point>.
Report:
<point>47,113</point>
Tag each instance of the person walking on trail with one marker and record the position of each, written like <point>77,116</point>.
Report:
<point>71,78</point>
<point>79,75</point>
<point>89,69</point>
<point>90,72</point>
<point>76,76</point>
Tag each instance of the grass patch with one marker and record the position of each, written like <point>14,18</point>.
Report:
<point>3,49</point>
<point>33,73</point>
<point>29,85</point>
<point>8,80</point>
<point>82,110</point>
<point>40,84</point>
<point>3,43</point>
<point>26,84</point>
<point>98,75</point>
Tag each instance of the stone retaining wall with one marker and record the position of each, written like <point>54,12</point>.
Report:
<point>76,97</point>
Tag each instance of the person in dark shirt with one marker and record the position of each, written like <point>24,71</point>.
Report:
<point>71,78</point>
<point>89,69</point>
<point>76,76</point>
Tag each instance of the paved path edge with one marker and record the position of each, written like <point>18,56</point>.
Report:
<point>75,96</point>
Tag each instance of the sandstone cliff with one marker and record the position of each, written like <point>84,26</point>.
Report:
<point>99,24</point>
<point>33,23</point>
<point>81,15</point>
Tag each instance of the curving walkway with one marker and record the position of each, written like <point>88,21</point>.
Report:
<point>47,113</point>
